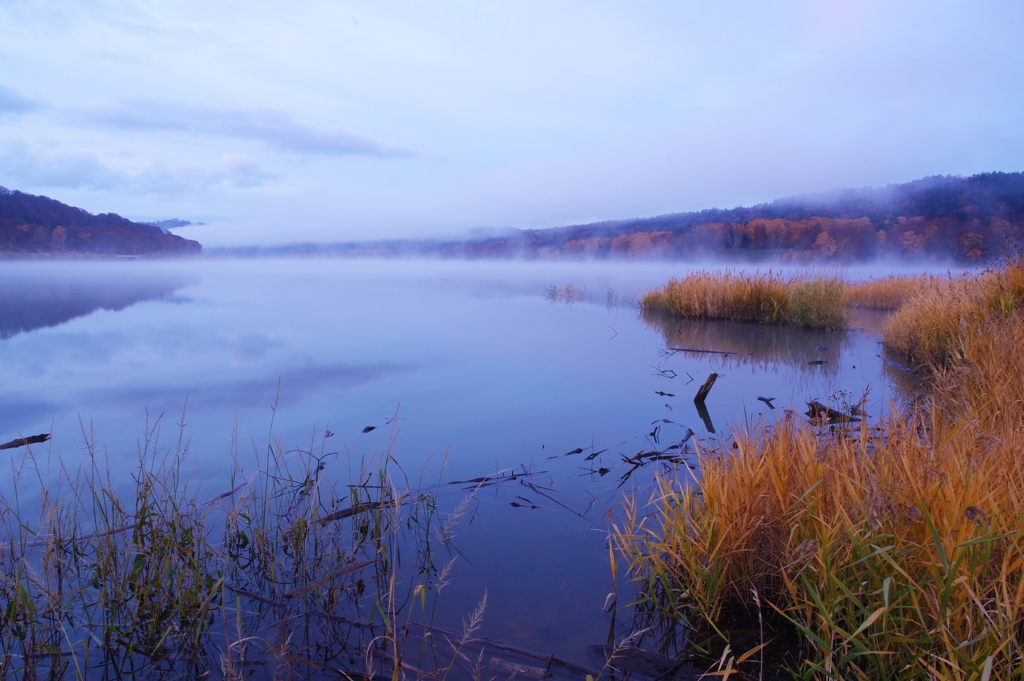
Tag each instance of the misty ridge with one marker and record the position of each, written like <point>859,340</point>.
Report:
<point>39,226</point>
<point>968,220</point>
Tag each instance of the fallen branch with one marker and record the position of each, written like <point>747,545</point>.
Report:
<point>897,365</point>
<point>356,509</point>
<point>24,441</point>
<point>714,352</point>
<point>817,410</point>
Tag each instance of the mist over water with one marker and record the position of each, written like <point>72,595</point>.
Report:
<point>475,363</point>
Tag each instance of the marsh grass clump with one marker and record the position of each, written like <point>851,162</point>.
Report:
<point>764,298</point>
<point>934,325</point>
<point>818,304</point>
<point>892,550</point>
<point>889,293</point>
<point>288,573</point>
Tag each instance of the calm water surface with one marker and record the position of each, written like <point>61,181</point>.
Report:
<point>472,363</point>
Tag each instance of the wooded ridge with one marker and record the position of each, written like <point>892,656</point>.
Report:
<point>970,220</point>
<point>32,224</point>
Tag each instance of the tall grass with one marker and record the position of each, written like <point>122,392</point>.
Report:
<point>290,572</point>
<point>893,550</point>
<point>934,325</point>
<point>765,298</point>
<point>888,293</point>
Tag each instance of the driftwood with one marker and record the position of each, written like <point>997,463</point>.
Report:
<point>630,659</point>
<point>768,401</point>
<point>817,410</point>
<point>897,365</point>
<point>22,441</point>
<point>362,507</point>
<point>714,352</point>
<point>702,393</point>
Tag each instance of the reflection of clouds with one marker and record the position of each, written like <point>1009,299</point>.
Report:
<point>19,412</point>
<point>297,384</point>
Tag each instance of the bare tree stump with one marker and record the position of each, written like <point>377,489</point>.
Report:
<point>705,389</point>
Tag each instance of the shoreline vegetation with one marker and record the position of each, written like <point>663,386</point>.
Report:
<point>930,315</point>
<point>885,550</point>
<point>286,574</point>
<point>764,298</point>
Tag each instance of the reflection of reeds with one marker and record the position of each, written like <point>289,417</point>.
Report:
<point>765,298</point>
<point>566,294</point>
<point>750,344</point>
<point>890,551</point>
<point>284,572</point>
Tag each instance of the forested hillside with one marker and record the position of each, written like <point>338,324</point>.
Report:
<point>969,219</point>
<point>37,224</point>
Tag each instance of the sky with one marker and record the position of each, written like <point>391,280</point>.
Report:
<point>331,120</point>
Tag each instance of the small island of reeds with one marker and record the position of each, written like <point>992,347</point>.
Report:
<point>765,298</point>
<point>885,549</point>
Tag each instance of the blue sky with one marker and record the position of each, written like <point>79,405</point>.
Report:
<point>328,120</point>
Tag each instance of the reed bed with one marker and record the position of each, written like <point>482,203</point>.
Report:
<point>933,326</point>
<point>287,574</point>
<point>890,551</point>
<point>764,298</point>
<point>889,293</point>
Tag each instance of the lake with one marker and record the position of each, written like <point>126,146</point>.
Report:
<point>471,367</point>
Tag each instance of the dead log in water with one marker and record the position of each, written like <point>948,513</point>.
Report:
<point>817,410</point>
<point>702,393</point>
<point>23,441</point>
<point>897,365</point>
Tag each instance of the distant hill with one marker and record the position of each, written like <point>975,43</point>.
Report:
<point>972,219</point>
<point>37,224</point>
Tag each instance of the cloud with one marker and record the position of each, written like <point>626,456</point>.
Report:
<point>28,167</point>
<point>274,128</point>
<point>23,166</point>
<point>244,171</point>
<point>297,385</point>
<point>12,102</point>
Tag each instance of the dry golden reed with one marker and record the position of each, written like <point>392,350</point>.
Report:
<point>765,298</point>
<point>934,324</point>
<point>893,550</point>
<point>884,294</point>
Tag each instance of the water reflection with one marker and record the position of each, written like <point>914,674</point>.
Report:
<point>489,375</point>
<point>33,297</point>
<point>761,346</point>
